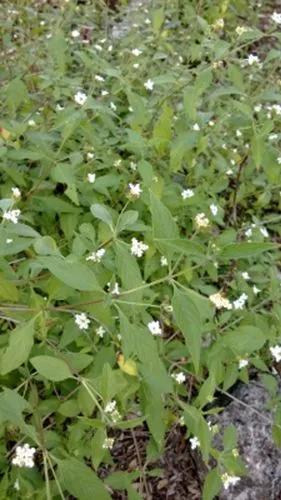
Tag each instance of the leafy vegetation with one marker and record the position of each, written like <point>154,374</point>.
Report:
<point>140,234</point>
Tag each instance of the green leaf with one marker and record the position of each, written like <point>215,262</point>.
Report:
<point>45,245</point>
<point>185,247</point>
<point>51,368</point>
<point>126,220</point>
<point>81,481</point>
<point>162,132</point>
<point>212,485</point>
<point>8,291</point>
<point>20,344</point>
<point>102,213</point>
<point>129,272</point>
<point>11,407</point>
<point>244,340</point>
<point>73,274</point>
<point>163,224</point>
<point>245,250</point>
<point>188,319</point>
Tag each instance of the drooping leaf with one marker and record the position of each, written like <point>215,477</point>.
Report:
<point>73,274</point>
<point>20,344</point>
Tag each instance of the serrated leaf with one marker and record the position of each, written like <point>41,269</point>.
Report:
<point>20,344</point>
<point>51,368</point>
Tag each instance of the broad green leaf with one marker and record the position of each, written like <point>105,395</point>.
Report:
<point>185,247</point>
<point>126,220</point>
<point>8,291</point>
<point>102,213</point>
<point>129,272</point>
<point>16,93</point>
<point>45,245</point>
<point>81,481</point>
<point>188,319</point>
<point>163,224</point>
<point>73,274</point>
<point>20,344</point>
<point>244,339</point>
<point>11,407</point>
<point>212,485</point>
<point>245,250</point>
<point>162,132</point>
<point>51,368</point>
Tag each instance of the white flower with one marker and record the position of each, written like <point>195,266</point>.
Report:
<point>136,65</point>
<point>82,321</point>
<point>218,24</point>
<point>59,107</point>
<point>31,123</point>
<point>211,123</point>
<point>214,209</point>
<point>113,107</point>
<point>110,407</point>
<point>264,232</point>
<point>96,256</point>
<point>240,30</point>
<point>243,363</point>
<point>256,290</point>
<point>108,443</point>
<point>75,33</point>
<point>220,301</point>
<point>12,215</point>
<point>91,177</point>
<point>104,93</point>
<point>248,232</point>
<point>100,331</point>
<point>180,377</point>
<point>98,47</point>
<point>147,21</point>
<point>155,328</point>
<point>138,247</point>
<point>201,220</point>
<point>136,52</point>
<point>133,166</point>
<point>229,480</point>
<point>24,456</point>
<point>273,137</point>
<point>276,17</point>
<point>187,193</point>
<point>16,192</point>
<point>99,78</point>
<point>194,443</point>
<point>245,276</point>
<point>90,156</point>
<point>149,84</point>
<point>240,302</point>
<point>229,171</point>
<point>238,133</point>
<point>252,59</point>
<point>135,190</point>
<point>276,352</point>
<point>115,290</point>
<point>117,163</point>
<point>163,261</point>
<point>258,108</point>
<point>80,98</point>
<point>9,240</point>
<point>17,485</point>
<point>196,127</point>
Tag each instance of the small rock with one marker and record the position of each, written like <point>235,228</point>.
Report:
<point>255,444</point>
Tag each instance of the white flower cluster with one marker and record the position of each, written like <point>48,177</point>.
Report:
<point>276,17</point>
<point>111,410</point>
<point>243,363</point>
<point>12,215</point>
<point>80,97</point>
<point>149,85</point>
<point>96,256</point>
<point>155,328</point>
<point>276,352</point>
<point>100,331</point>
<point>194,443</point>
<point>201,220</point>
<point>16,193</point>
<point>229,480</point>
<point>135,190</point>
<point>24,456</point>
<point>220,301</point>
<point>82,321</point>
<point>187,193</point>
<point>138,248</point>
<point>91,177</point>
<point>240,302</point>
<point>180,377</point>
<point>108,443</point>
